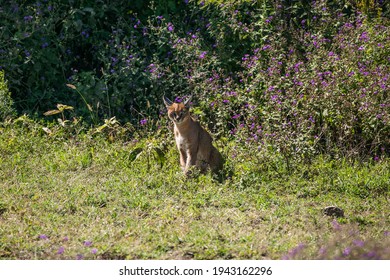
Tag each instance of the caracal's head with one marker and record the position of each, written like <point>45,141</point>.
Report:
<point>177,112</point>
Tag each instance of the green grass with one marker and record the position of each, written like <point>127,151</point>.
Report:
<point>87,189</point>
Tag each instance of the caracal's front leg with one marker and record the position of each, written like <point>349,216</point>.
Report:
<point>191,161</point>
<point>183,159</point>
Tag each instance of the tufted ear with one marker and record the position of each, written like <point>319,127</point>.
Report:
<point>167,102</point>
<point>185,102</point>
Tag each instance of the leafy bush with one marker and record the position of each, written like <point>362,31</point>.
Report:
<point>331,97</point>
<point>6,103</point>
<point>321,89</point>
<point>296,77</point>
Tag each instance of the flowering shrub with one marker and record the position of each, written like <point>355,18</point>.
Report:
<point>300,78</point>
<point>331,97</point>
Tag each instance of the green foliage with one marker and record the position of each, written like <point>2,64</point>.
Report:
<point>296,94</point>
<point>297,77</point>
<point>152,150</point>
<point>6,103</point>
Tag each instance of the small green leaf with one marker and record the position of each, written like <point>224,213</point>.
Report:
<point>135,154</point>
<point>52,112</point>
<point>100,128</point>
<point>63,107</point>
<point>160,156</point>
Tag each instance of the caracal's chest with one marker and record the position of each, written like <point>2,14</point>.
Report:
<point>181,141</point>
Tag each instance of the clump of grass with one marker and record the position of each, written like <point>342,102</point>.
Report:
<point>347,244</point>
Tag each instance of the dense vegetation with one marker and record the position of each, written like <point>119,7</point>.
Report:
<point>296,94</point>
<point>305,77</point>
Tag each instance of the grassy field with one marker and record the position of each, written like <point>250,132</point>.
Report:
<point>86,198</point>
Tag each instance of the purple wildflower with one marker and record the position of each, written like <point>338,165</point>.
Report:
<point>43,237</point>
<point>152,68</point>
<point>28,18</point>
<point>370,255</point>
<point>61,250</point>
<point>348,25</point>
<point>143,121</point>
<point>94,251</point>
<point>170,27</point>
<point>266,47</point>
<point>358,243</point>
<point>85,34</point>
<point>364,37</point>
<point>336,225</point>
<point>295,251</point>
<point>347,251</point>
<point>202,55</point>
<point>322,251</point>
<point>87,243</point>
<point>79,257</point>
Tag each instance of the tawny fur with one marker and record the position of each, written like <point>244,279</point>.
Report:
<point>192,140</point>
